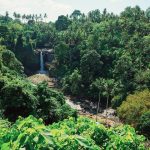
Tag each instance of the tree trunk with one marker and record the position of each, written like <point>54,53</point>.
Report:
<point>98,106</point>
<point>107,107</point>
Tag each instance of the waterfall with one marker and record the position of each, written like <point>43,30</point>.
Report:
<point>41,62</point>
<point>42,71</point>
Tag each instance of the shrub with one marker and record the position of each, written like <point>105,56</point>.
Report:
<point>31,133</point>
<point>135,105</point>
<point>72,83</point>
<point>116,101</point>
<point>124,138</point>
<point>100,136</point>
<point>17,99</point>
<point>4,126</point>
<point>9,60</point>
<point>142,79</point>
<point>51,104</point>
<point>144,123</point>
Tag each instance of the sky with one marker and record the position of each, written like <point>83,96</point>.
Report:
<point>54,8</point>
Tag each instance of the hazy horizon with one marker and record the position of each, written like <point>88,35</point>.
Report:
<point>54,8</point>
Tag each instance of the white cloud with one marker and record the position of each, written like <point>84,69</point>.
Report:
<point>115,1</point>
<point>51,7</point>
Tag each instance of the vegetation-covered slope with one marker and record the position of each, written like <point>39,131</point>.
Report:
<point>19,97</point>
<point>85,134</point>
<point>99,46</point>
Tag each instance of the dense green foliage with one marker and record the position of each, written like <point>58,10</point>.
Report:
<point>103,45</point>
<point>72,83</point>
<point>19,97</point>
<point>106,56</point>
<point>98,45</point>
<point>24,37</point>
<point>134,107</point>
<point>9,63</point>
<point>16,98</point>
<point>51,105</point>
<point>85,134</point>
<point>144,123</point>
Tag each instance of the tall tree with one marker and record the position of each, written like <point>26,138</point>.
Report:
<point>76,14</point>
<point>62,23</point>
<point>91,65</point>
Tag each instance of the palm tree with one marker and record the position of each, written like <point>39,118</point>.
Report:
<point>23,17</point>
<point>36,17</point>
<point>109,91</point>
<point>33,16</point>
<point>40,17</point>
<point>76,14</point>
<point>27,17</point>
<point>15,15</point>
<point>18,16</point>
<point>45,16</point>
<point>6,15</point>
<point>30,17</point>
<point>99,84</point>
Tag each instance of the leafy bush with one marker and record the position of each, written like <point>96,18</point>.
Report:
<point>142,79</point>
<point>51,104</point>
<point>117,101</point>
<point>100,136</point>
<point>72,83</point>
<point>135,105</point>
<point>29,134</point>
<point>4,126</point>
<point>9,60</point>
<point>85,134</point>
<point>123,138</point>
<point>144,123</point>
<point>16,98</point>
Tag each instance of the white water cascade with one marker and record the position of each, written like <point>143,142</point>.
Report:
<point>42,71</point>
<point>41,62</point>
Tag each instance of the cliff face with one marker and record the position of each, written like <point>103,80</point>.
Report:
<point>32,62</point>
<point>49,56</point>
